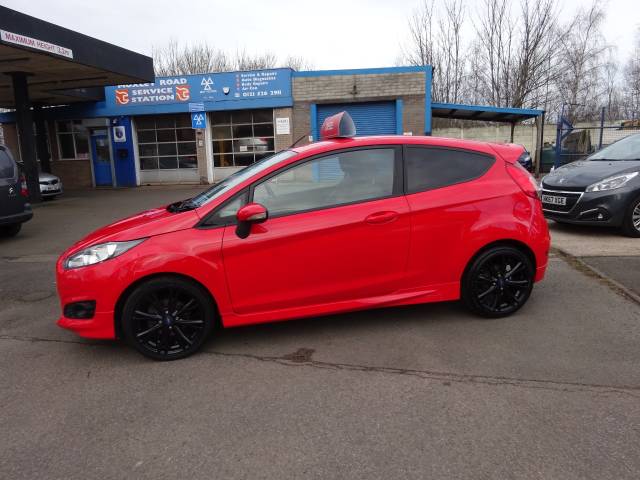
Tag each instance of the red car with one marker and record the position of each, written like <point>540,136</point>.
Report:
<point>338,225</point>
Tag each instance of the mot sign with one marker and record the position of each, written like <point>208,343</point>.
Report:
<point>198,120</point>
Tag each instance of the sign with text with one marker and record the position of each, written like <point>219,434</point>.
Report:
<point>36,44</point>
<point>195,89</point>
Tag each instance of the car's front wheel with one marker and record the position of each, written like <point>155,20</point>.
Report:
<point>10,230</point>
<point>167,318</point>
<point>498,282</point>
<point>631,221</point>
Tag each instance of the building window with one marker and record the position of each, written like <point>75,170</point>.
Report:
<point>241,137</point>
<point>166,142</point>
<point>73,139</point>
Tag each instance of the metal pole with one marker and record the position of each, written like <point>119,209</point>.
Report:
<point>601,128</point>
<point>41,140</point>
<point>513,127</point>
<point>539,142</point>
<point>24,123</point>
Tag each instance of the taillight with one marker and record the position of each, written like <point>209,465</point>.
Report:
<point>524,180</point>
<point>24,191</point>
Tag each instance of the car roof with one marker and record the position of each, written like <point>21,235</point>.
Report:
<point>338,143</point>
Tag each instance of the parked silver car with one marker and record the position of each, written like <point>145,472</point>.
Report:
<point>50,185</point>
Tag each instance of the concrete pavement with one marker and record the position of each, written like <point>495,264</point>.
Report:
<point>418,392</point>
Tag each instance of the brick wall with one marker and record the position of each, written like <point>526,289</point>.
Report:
<point>357,87</point>
<point>410,87</point>
<point>284,140</point>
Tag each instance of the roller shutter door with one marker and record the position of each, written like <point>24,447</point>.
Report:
<point>370,118</point>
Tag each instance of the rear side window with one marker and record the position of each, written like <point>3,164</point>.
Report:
<point>6,164</point>
<point>427,168</point>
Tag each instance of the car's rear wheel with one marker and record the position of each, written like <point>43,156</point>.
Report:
<point>631,222</point>
<point>10,230</point>
<point>167,318</point>
<point>498,282</point>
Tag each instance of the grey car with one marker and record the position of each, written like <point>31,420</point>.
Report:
<point>15,208</point>
<point>50,185</point>
<point>603,189</point>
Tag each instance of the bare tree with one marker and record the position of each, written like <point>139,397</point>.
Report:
<point>494,44</point>
<point>437,41</point>
<point>450,55</point>
<point>177,59</point>
<point>246,61</point>
<point>174,59</point>
<point>297,63</point>
<point>535,57</point>
<point>631,85</point>
<point>583,54</point>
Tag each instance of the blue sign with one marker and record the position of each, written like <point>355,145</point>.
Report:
<point>198,120</point>
<point>259,87</point>
<point>196,107</point>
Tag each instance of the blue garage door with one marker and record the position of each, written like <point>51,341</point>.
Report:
<point>371,118</point>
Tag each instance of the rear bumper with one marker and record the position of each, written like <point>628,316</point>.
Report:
<point>17,218</point>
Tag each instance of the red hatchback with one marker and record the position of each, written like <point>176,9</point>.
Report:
<point>339,225</point>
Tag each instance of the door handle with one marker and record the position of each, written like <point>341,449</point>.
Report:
<point>381,217</point>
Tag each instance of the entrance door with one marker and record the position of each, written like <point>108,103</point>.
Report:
<point>101,160</point>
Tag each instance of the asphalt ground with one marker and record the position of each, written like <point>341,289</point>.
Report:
<point>425,391</point>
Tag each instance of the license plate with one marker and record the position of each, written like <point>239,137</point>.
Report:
<point>553,200</point>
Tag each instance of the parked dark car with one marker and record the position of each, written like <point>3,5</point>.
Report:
<point>526,161</point>
<point>15,208</point>
<point>603,189</point>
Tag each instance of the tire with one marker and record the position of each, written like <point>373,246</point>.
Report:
<point>10,230</point>
<point>168,318</point>
<point>631,221</point>
<point>498,282</point>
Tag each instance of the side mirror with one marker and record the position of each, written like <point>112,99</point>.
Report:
<point>248,215</point>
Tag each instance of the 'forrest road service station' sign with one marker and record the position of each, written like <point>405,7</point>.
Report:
<point>213,87</point>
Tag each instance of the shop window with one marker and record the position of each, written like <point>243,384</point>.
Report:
<point>241,137</point>
<point>73,139</point>
<point>166,142</point>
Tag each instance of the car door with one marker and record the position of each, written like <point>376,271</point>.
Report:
<point>338,229</point>
<point>446,202</point>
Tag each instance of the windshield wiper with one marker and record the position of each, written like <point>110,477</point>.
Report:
<point>181,206</point>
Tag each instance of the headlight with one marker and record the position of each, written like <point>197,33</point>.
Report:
<point>99,253</point>
<point>611,183</point>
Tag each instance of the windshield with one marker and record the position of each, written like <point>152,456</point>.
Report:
<point>239,177</point>
<point>626,149</point>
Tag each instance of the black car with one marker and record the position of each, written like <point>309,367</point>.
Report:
<point>15,208</point>
<point>603,189</point>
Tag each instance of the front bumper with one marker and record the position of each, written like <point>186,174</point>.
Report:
<point>591,208</point>
<point>101,283</point>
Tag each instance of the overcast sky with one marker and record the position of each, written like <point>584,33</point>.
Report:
<point>330,33</point>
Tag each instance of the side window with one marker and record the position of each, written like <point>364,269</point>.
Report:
<point>332,180</point>
<point>6,165</point>
<point>429,168</point>
<point>226,213</point>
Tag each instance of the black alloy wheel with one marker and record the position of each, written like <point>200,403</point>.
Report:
<point>167,318</point>
<point>498,282</point>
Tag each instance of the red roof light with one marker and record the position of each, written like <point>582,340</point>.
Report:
<point>339,125</point>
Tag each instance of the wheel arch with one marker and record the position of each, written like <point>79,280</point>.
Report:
<point>508,242</point>
<point>117,313</point>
